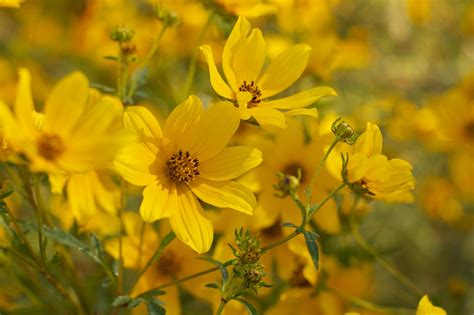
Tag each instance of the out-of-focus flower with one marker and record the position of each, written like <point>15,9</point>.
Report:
<point>242,61</point>
<point>419,11</point>
<point>10,3</point>
<point>188,160</point>
<point>426,308</point>
<point>249,8</point>
<point>73,135</point>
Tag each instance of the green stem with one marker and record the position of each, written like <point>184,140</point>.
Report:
<point>384,263</point>
<point>323,202</point>
<point>39,217</point>
<point>221,307</point>
<point>369,305</point>
<point>318,170</point>
<point>193,62</point>
<point>144,64</point>
<point>120,213</point>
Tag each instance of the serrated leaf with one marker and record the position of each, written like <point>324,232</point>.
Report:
<point>122,300</point>
<point>312,246</point>
<point>249,307</point>
<point>212,285</point>
<point>154,307</point>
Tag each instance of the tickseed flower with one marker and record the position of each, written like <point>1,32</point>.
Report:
<point>249,89</point>
<point>76,133</point>
<point>186,161</point>
<point>370,172</point>
<point>426,308</point>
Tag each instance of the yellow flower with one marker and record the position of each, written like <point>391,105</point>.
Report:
<point>188,160</point>
<point>248,8</point>
<point>242,61</point>
<point>76,133</point>
<point>371,172</point>
<point>426,308</point>
<point>10,3</point>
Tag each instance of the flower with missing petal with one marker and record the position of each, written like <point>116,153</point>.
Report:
<point>249,89</point>
<point>186,161</point>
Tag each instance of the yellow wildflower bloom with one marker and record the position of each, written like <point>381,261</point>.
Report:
<point>371,172</point>
<point>426,308</point>
<point>10,3</point>
<point>74,135</point>
<point>242,61</point>
<point>188,160</point>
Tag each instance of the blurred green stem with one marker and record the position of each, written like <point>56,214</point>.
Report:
<point>221,307</point>
<point>372,252</point>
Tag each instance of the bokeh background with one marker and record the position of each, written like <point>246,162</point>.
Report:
<point>406,65</point>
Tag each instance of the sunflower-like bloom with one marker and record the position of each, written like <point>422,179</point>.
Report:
<point>369,171</point>
<point>426,308</point>
<point>249,89</point>
<point>187,160</point>
<point>75,134</point>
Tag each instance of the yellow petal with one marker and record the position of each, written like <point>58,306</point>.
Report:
<point>230,163</point>
<point>426,308</point>
<point>268,118</point>
<point>218,84</point>
<point>190,225</point>
<point>312,112</point>
<point>155,196</point>
<point>214,130</point>
<point>301,99</point>
<point>81,197</point>
<point>181,124</point>
<point>239,32</point>
<point>66,104</point>
<point>133,164</point>
<point>284,70</point>
<point>225,194</point>
<point>369,142</point>
<point>57,182</point>
<point>24,107</point>
<point>356,167</point>
<point>249,57</point>
<point>142,122</point>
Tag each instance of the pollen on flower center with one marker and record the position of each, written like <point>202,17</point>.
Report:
<point>254,90</point>
<point>50,146</point>
<point>182,168</point>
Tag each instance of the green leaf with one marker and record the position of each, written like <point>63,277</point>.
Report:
<point>153,293</point>
<point>114,58</point>
<point>212,285</point>
<point>97,247</point>
<point>5,194</point>
<point>154,307</point>
<point>122,300</point>
<point>249,307</point>
<point>289,224</point>
<point>310,238</point>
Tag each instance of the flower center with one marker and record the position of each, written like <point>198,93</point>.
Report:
<point>469,130</point>
<point>182,167</point>
<point>50,146</point>
<point>254,90</point>
<point>292,169</point>
<point>168,264</point>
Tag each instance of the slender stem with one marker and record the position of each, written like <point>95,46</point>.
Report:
<point>280,241</point>
<point>221,307</point>
<point>193,62</point>
<point>39,217</point>
<point>144,64</point>
<point>369,305</point>
<point>120,213</point>
<point>318,170</point>
<point>384,263</point>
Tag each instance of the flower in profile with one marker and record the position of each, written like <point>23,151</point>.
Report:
<point>249,89</point>
<point>367,171</point>
<point>426,308</point>
<point>76,133</point>
<point>185,162</point>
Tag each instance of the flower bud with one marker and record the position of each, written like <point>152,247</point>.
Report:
<point>122,34</point>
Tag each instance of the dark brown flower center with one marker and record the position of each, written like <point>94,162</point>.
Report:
<point>182,168</point>
<point>50,146</point>
<point>169,264</point>
<point>254,90</point>
<point>469,130</point>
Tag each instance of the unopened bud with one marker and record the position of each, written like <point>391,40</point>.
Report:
<point>343,131</point>
<point>122,34</point>
<point>287,184</point>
